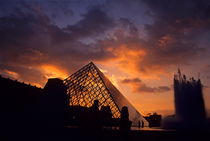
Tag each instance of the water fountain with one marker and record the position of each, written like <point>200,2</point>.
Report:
<point>189,104</point>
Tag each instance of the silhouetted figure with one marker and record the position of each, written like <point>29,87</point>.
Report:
<point>139,124</point>
<point>95,105</point>
<point>125,124</point>
<point>95,115</point>
<point>142,124</point>
<point>106,116</point>
<point>90,119</point>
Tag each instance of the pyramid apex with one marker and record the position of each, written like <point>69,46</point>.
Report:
<point>91,63</point>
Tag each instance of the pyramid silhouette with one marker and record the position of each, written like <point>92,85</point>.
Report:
<point>89,84</point>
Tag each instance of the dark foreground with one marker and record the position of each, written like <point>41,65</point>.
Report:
<point>69,134</point>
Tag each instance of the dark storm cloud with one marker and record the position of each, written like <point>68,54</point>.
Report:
<point>176,31</point>
<point>138,86</point>
<point>131,27</point>
<point>28,38</point>
<point>61,5</point>
<point>95,22</point>
<point>170,10</point>
<point>28,31</point>
<point>178,35</point>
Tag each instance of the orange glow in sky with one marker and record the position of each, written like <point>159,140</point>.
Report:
<point>51,71</point>
<point>12,74</point>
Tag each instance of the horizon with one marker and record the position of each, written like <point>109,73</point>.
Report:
<point>164,113</point>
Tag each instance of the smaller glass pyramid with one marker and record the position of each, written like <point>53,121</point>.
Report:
<point>89,84</point>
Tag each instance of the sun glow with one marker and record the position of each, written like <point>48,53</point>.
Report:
<point>51,71</point>
<point>113,80</point>
<point>11,74</point>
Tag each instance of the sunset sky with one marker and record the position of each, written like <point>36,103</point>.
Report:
<point>137,44</point>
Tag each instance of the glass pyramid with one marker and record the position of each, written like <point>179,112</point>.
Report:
<point>89,84</point>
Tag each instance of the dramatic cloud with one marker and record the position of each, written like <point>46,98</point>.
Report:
<point>30,40</point>
<point>95,22</point>
<point>138,86</point>
<point>134,80</point>
<point>177,31</point>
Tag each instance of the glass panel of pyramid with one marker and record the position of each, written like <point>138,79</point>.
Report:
<point>89,84</point>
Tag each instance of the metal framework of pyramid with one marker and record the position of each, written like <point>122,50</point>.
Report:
<point>89,84</point>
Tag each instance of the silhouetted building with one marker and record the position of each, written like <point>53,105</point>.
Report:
<point>85,118</point>
<point>154,120</point>
<point>89,83</point>
<point>85,99</point>
<point>77,116</point>
<point>17,100</point>
<point>25,106</point>
<point>54,103</point>
<point>125,123</point>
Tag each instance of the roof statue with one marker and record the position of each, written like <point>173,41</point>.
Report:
<point>89,84</point>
